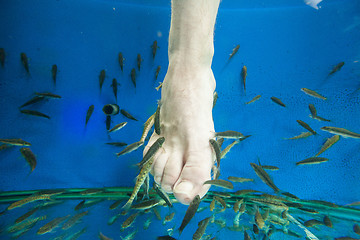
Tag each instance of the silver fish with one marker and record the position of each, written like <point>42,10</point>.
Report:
<point>130,148</point>
<point>341,131</point>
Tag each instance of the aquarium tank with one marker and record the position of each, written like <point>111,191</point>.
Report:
<point>80,81</point>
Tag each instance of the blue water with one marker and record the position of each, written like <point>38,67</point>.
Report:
<point>285,46</point>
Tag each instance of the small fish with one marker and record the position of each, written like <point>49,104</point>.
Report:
<point>89,113</point>
<point>26,215</point>
<point>154,47</point>
<point>77,234</point>
<point>245,192</point>
<point>169,218</point>
<point>327,221</point>
<point>215,97</point>
<point>2,57</point>
<point>278,101</point>
<point>103,237</point>
<point>108,122</point>
<point>258,219</point>
<point>73,220</point>
<point>15,142</point>
<point>246,236</point>
<point>268,167</point>
<point>312,160</point>
<point>255,229</point>
<point>152,150</point>
<point>117,127</point>
<point>33,100</point>
<point>147,126</point>
<point>139,60</point>
<point>130,148</point>
<point>51,225</point>
<point>221,201</point>
<point>217,151</point>
<point>227,149</point>
<point>313,93</point>
<point>336,68</point>
<point>34,113</point>
<point>302,135</point>
<point>54,73</point>
<point>139,182</point>
<point>117,144</point>
<point>114,86</point>
<point>312,109</point>
<point>29,157</point>
<point>234,51</point>
<point>162,194</point>
<point>127,114</point>
<point>130,236</point>
<point>329,142</point>
<point>165,238</point>
<point>254,99</point>
<point>287,194</point>
<point>147,204</point>
<point>356,229</point>
<point>240,179</point>
<point>157,120</point>
<point>158,87</point>
<point>102,78</point>
<point>237,204</point>
<point>48,95</point>
<point>243,77</point>
<point>25,224</point>
<point>190,212</point>
<point>157,72</point>
<point>306,126</point>
<point>202,225</point>
<point>80,205</point>
<point>229,134</point>
<point>133,76</point>
<point>264,176</point>
<point>313,222</point>
<point>115,204</point>
<point>341,131</point>
<point>121,61</point>
<point>24,61</point>
<point>220,141</point>
<point>130,220</point>
<point>220,183</point>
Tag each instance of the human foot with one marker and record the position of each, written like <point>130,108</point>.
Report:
<point>184,163</point>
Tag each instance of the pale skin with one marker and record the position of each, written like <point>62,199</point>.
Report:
<point>184,163</point>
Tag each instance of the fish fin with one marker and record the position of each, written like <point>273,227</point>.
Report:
<point>127,206</point>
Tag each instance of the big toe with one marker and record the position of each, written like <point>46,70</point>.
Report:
<point>196,171</point>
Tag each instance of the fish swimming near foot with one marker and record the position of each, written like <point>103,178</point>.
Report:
<point>130,148</point>
<point>302,135</point>
<point>34,113</point>
<point>50,226</point>
<point>264,176</point>
<point>341,131</point>
<point>190,212</point>
<point>152,151</point>
<point>157,120</point>
<point>157,72</point>
<point>220,183</point>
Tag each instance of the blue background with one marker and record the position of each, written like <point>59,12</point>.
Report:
<point>285,46</point>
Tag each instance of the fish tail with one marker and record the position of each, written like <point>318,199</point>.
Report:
<point>127,206</point>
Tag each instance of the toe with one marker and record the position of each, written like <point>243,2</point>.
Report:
<point>191,182</point>
<point>172,171</point>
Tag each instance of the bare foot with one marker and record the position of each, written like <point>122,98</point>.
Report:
<point>185,160</point>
